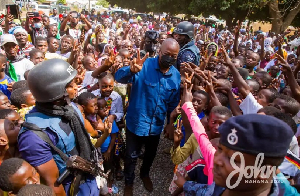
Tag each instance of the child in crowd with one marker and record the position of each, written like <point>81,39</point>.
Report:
<point>8,137</point>
<point>22,99</point>
<point>88,102</point>
<point>36,56</point>
<point>4,102</point>
<point>190,152</point>
<point>90,65</point>
<point>113,99</point>
<point>108,147</point>
<point>16,173</point>
<point>234,139</point>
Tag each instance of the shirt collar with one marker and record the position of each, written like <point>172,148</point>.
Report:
<point>113,95</point>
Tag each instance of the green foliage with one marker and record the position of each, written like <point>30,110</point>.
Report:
<point>103,3</point>
<point>61,2</point>
<point>229,10</point>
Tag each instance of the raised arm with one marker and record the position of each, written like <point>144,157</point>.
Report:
<point>236,40</point>
<point>106,65</point>
<point>88,24</point>
<point>64,23</point>
<point>244,89</point>
<point>295,88</point>
<point>205,145</point>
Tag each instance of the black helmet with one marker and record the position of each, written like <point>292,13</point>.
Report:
<point>47,81</point>
<point>152,35</point>
<point>185,28</point>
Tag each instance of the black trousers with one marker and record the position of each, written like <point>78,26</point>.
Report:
<point>134,144</point>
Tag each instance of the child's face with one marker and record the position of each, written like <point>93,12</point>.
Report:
<point>237,63</point>
<point>258,77</point>
<point>268,56</point>
<point>106,86</point>
<point>291,59</point>
<point>126,58</point>
<point>199,102</point>
<point>66,44</point>
<point>25,175</point>
<point>214,121</point>
<point>53,45</point>
<point>30,100</point>
<point>263,97</point>
<point>72,90</point>
<point>91,107</point>
<point>287,91</point>
<point>4,102</point>
<point>274,71</point>
<point>280,104</point>
<point>42,45</point>
<point>222,72</point>
<point>12,128</point>
<point>252,60</point>
<point>37,58</point>
<point>90,64</point>
<point>102,108</point>
<point>213,61</point>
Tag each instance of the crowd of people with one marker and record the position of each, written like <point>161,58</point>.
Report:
<point>84,95</point>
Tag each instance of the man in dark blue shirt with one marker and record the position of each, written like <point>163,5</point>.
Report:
<point>155,94</point>
<point>184,35</point>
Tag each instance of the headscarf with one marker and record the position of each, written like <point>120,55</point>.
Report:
<point>212,43</point>
<point>19,30</point>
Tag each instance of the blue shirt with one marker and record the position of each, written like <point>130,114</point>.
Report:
<point>153,95</point>
<point>106,143</point>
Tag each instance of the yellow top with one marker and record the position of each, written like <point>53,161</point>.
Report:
<point>181,154</point>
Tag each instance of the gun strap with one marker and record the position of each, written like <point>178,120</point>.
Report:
<point>39,132</point>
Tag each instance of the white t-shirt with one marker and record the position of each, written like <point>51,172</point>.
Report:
<point>250,105</point>
<point>67,55</point>
<point>21,67</point>
<point>294,146</point>
<point>89,79</point>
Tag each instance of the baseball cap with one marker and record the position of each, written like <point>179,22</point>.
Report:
<point>37,15</point>
<point>7,38</point>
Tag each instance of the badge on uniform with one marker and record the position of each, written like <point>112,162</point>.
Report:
<point>232,138</point>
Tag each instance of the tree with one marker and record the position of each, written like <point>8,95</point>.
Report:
<point>282,13</point>
<point>103,3</point>
<point>61,2</point>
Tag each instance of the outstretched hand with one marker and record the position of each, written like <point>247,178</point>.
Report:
<point>136,64</point>
<point>285,67</point>
<point>111,59</point>
<point>178,135</point>
<point>187,93</point>
<point>107,126</point>
<point>226,56</point>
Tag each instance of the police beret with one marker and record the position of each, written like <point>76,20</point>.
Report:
<point>254,134</point>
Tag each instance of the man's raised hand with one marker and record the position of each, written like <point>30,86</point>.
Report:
<point>136,64</point>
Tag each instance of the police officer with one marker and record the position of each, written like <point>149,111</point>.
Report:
<point>62,122</point>
<point>150,43</point>
<point>184,35</point>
